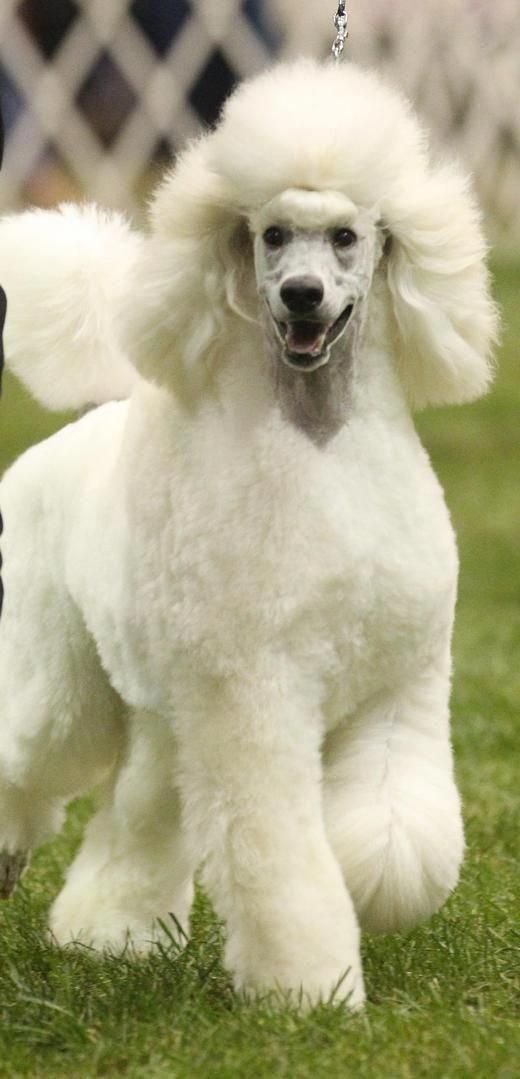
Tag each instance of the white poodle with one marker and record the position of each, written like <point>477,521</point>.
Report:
<point>229,599</point>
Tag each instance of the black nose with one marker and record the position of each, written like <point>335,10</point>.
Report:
<point>302,294</point>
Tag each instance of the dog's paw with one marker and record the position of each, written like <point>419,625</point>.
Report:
<point>80,921</point>
<point>306,993</point>
<point>134,941</point>
<point>12,867</point>
<point>297,982</point>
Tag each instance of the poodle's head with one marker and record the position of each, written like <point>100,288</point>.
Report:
<point>316,179</point>
<point>314,258</point>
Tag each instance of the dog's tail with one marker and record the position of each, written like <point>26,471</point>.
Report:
<point>66,272</point>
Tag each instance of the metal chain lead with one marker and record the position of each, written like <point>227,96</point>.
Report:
<point>341,24</point>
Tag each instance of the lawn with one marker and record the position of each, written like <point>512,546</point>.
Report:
<point>443,1001</point>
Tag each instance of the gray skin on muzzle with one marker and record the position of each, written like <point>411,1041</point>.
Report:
<point>314,287</point>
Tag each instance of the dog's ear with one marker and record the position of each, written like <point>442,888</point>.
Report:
<point>446,319</point>
<point>190,279</point>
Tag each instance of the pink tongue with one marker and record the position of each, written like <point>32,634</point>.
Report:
<point>305,337</point>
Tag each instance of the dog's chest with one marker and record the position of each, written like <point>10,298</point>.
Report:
<point>335,564</point>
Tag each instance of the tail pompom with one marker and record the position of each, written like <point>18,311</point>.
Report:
<point>66,272</point>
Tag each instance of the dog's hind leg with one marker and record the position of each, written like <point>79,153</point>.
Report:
<point>47,759</point>
<point>133,871</point>
<point>61,723</point>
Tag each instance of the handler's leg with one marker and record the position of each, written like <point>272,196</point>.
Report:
<point>250,772</point>
<point>392,808</point>
<point>133,867</point>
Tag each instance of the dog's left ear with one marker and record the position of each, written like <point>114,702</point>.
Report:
<point>186,284</point>
<point>445,317</point>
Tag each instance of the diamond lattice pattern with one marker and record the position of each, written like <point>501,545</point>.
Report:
<point>97,93</point>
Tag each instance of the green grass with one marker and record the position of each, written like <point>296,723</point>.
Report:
<point>443,1001</point>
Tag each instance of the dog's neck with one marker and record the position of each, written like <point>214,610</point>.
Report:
<point>317,402</point>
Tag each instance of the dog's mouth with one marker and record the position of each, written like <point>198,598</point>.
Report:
<point>307,342</point>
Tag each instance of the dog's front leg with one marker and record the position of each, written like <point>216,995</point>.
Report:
<point>250,775</point>
<point>392,808</point>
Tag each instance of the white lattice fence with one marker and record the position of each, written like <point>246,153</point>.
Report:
<point>459,62</point>
<point>117,87</point>
<point>97,91</point>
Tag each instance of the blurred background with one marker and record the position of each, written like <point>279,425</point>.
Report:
<point>98,94</point>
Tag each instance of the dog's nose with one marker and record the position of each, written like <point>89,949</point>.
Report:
<point>302,294</point>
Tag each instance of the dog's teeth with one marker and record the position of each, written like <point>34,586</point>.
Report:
<point>320,345</point>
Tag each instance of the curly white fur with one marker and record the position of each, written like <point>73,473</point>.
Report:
<point>60,335</point>
<point>242,633</point>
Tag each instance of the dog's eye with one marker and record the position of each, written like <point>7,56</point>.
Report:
<point>343,237</point>
<point>274,236</point>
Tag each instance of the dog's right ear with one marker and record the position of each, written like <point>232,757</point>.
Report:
<point>186,283</point>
